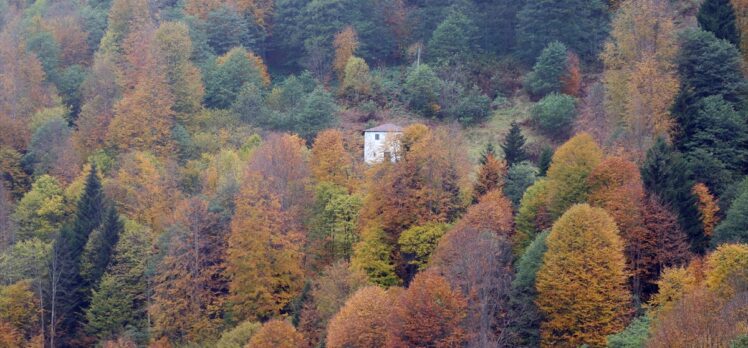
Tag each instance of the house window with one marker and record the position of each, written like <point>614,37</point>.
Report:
<point>376,136</point>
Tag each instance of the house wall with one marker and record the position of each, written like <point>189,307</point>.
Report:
<point>374,149</point>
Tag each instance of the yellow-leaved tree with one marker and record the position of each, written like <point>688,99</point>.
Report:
<point>582,281</point>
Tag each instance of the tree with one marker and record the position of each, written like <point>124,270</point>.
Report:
<point>718,17</point>
<point>357,82</point>
<point>513,146</point>
<point>345,43</point>
<point>421,89</point>
<point>478,264</point>
<point>454,40</point>
<point>276,333</point>
<point>428,313</point>
<point>330,162</point>
<point>333,229</point>
<point>640,77</point>
<point>708,208</point>
<point>74,293</point>
<point>525,326</point>
<point>362,321</point>
<point>318,111</point>
<point>42,211</point>
<point>189,284</point>
<point>635,335</point>
<point>490,177</point>
<point>492,213</point>
<point>572,164</point>
<point>419,242</point>
<point>555,115</point>
<point>263,255</point>
<point>173,44</point>
<point>99,249</point>
<point>581,25</point>
<point>582,282</point>
<point>733,228</point>
<point>16,302</point>
<point>119,304</point>
<point>14,179</point>
<point>571,82</point>
<point>239,336</point>
<point>519,177</point>
<point>665,174</point>
<point>227,75</point>
<point>549,69</point>
<point>726,272</point>
<point>226,29</point>
<point>372,256</point>
<point>532,216</point>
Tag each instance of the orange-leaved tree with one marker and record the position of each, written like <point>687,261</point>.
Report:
<point>362,322</point>
<point>582,281</point>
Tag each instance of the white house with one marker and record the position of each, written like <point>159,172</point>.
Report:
<point>382,142</point>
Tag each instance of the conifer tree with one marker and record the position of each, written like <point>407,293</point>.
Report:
<point>100,247</point>
<point>548,71</point>
<point>454,40</point>
<point>734,229</point>
<point>718,16</point>
<point>490,150</point>
<point>513,146</point>
<point>527,317</point>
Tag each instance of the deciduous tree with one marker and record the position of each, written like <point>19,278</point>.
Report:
<point>362,321</point>
<point>276,333</point>
<point>582,282</point>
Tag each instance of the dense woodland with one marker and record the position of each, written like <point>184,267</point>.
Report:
<point>189,173</point>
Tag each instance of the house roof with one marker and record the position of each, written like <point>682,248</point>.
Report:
<point>387,127</point>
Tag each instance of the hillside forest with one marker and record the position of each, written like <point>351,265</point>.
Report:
<point>190,173</point>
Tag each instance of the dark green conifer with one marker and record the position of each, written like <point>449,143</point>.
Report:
<point>718,17</point>
<point>513,146</point>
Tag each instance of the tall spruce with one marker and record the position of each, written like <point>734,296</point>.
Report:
<point>513,146</point>
<point>100,246</point>
<point>69,292</point>
<point>666,174</point>
<point>526,317</point>
<point>718,17</point>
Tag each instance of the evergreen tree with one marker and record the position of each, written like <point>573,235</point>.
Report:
<point>527,317</point>
<point>544,162</point>
<point>100,247</point>
<point>734,229</point>
<point>718,17</point>
<point>488,151</point>
<point>665,173</point>
<point>71,291</point>
<point>454,40</point>
<point>546,76</point>
<point>421,89</point>
<point>580,24</point>
<point>512,146</point>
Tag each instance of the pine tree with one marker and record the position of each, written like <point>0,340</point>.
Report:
<point>546,76</point>
<point>512,146</point>
<point>490,150</point>
<point>527,317</point>
<point>71,290</point>
<point>734,229</point>
<point>100,247</point>
<point>718,16</point>
<point>582,25</point>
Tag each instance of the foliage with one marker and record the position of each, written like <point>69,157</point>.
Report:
<point>525,326</point>
<point>519,178</point>
<point>550,67</point>
<point>372,257</point>
<point>276,333</point>
<point>635,335</point>
<point>532,215</point>
<point>572,164</point>
<point>512,147</point>
<point>555,114</point>
<point>726,275</point>
<point>490,177</point>
<point>419,242</point>
<point>454,40</point>
<point>428,313</point>
<point>733,227</point>
<point>362,321</point>
<point>41,212</point>
<point>582,282</point>
<point>718,17</point>
<point>239,336</point>
<point>580,25</point>
<point>421,89</point>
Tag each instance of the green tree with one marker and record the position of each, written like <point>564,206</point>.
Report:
<point>455,40</point>
<point>419,242</point>
<point>555,115</point>
<point>119,303</point>
<point>226,29</point>
<point>513,146</point>
<point>665,173</point>
<point>317,111</point>
<point>718,17</point>
<point>635,335</point>
<point>572,164</point>
<point>421,90</point>
<point>580,24</point>
<point>334,224</point>
<point>372,256</point>
<point>518,178</point>
<point>42,211</point>
<point>100,247</point>
<point>239,336</point>
<point>734,229</point>
<point>525,326</point>
<point>546,75</point>
<point>225,77</point>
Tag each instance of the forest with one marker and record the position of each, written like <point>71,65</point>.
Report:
<point>191,173</point>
